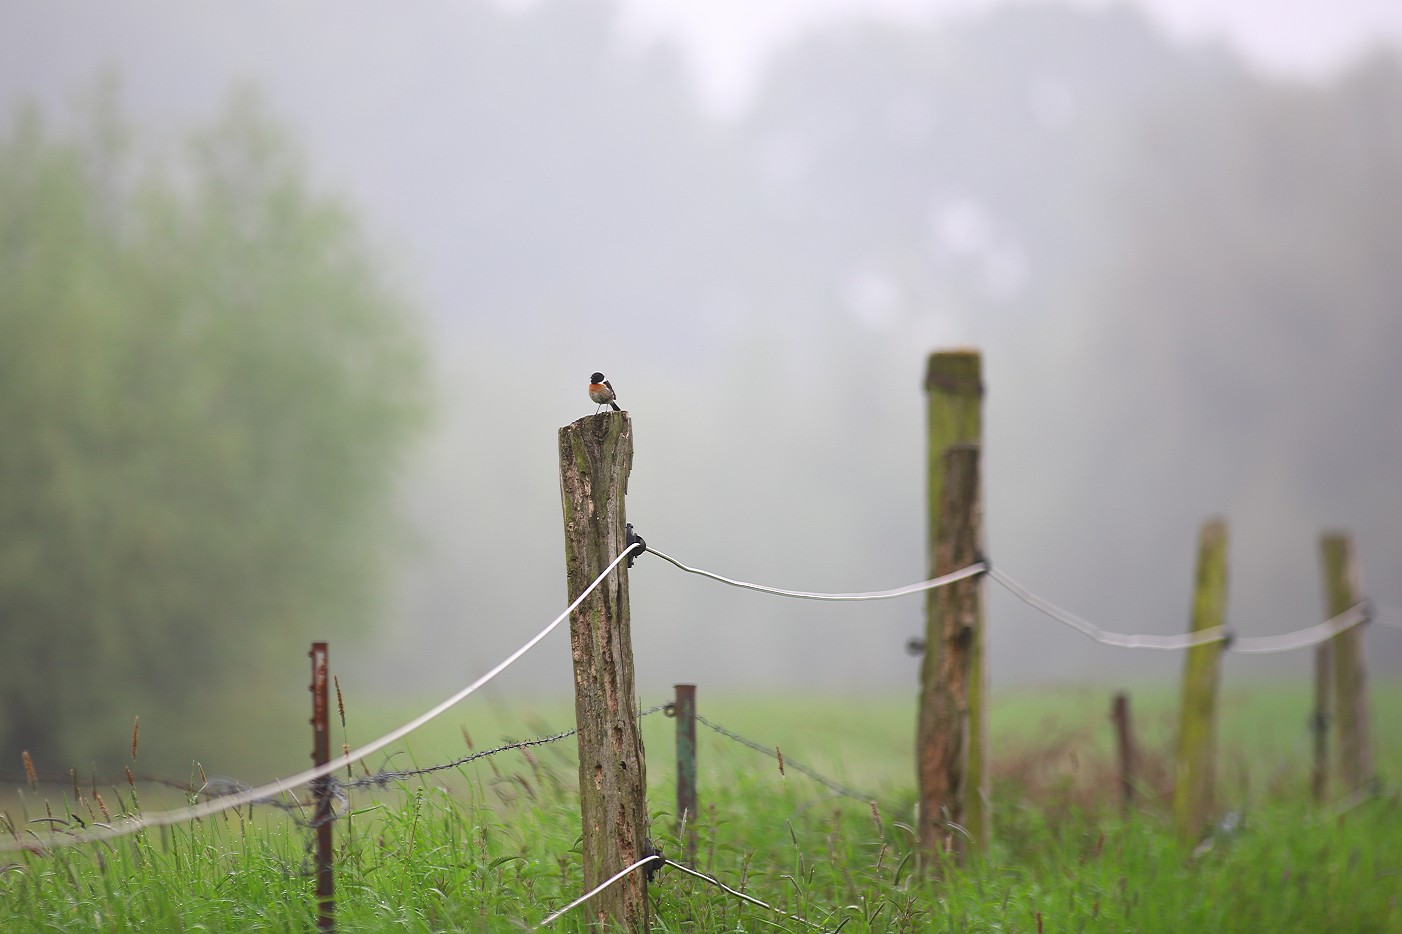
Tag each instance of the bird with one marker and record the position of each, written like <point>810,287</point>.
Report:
<point>601,391</point>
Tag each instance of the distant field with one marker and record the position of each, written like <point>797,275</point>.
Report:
<point>494,845</point>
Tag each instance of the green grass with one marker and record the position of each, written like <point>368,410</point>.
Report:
<point>494,846</point>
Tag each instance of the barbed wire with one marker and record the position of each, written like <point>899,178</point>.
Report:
<point>785,762</point>
<point>385,776</point>
<point>268,792</point>
<point>136,823</point>
<point>977,567</point>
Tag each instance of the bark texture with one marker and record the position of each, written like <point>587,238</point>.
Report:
<point>596,455</point>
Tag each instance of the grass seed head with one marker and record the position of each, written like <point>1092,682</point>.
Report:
<point>340,702</point>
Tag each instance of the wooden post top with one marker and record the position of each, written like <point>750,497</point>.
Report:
<point>958,371</point>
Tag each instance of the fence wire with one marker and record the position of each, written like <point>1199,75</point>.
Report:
<point>786,763</point>
<point>1284,642</point>
<point>1261,645</point>
<point>612,880</point>
<point>271,790</point>
<point>385,776</point>
<point>1175,643</point>
<point>1304,638</point>
<point>1389,615</point>
<point>977,567</point>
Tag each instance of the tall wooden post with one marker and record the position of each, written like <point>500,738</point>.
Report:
<point>1195,773</point>
<point>954,415</point>
<point>596,455</point>
<point>321,791</point>
<point>684,710</point>
<point>1342,591</point>
<point>945,728</point>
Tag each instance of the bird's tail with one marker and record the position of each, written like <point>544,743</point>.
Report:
<point>615,406</point>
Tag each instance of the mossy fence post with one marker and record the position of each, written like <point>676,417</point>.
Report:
<point>1195,763</point>
<point>596,455</point>
<point>1342,591</point>
<point>952,802</point>
<point>954,614</point>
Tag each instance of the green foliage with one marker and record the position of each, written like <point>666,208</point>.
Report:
<point>495,846</point>
<point>205,388</point>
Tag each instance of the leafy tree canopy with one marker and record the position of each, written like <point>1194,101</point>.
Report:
<point>205,386</point>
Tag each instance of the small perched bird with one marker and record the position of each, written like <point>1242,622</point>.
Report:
<point>601,391</point>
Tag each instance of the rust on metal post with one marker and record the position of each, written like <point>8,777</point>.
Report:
<point>321,791</point>
<point>684,710</point>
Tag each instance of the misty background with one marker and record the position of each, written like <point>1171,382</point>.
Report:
<point>1184,273</point>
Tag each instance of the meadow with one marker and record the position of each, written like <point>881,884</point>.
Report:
<point>493,846</point>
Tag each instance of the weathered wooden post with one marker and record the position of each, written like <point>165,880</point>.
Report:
<point>596,455</point>
<point>949,793</point>
<point>321,791</point>
<point>684,710</point>
<point>1342,591</point>
<point>1124,747</point>
<point>1195,766</point>
<point>954,415</point>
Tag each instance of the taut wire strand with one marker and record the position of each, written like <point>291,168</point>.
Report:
<point>1166,643</point>
<point>598,888</point>
<point>1303,638</point>
<point>977,567</point>
<point>741,895</point>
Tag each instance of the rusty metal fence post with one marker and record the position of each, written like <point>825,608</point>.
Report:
<point>321,791</point>
<point>684,710</point>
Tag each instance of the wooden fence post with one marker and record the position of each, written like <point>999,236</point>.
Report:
<point>684,710</point>
<point>945,728</point>
<point>321,791</point>
<point>1342,591</point>
<point>1124,746</point>
<point>1195,766</point>
<point>596,455</point>
<point>954,415</point>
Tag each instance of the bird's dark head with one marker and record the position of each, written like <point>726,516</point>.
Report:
<point>596,378</point>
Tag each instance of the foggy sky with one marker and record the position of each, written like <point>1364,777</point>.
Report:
<point>774,389</point>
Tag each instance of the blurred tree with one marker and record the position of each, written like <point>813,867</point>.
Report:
<point>205,388</point>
